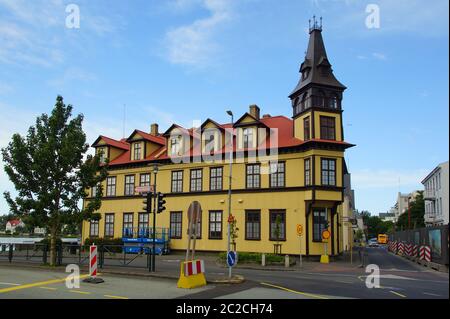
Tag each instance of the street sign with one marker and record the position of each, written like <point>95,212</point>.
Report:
<point>231,258</point>
<point>299,229</point>
<point>194,212</point>
<point>326,234</point>
<point>143,189</point>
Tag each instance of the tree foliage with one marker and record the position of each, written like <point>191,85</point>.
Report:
<point>50,174</point>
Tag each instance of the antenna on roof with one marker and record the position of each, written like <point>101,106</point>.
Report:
<point>124,119</point>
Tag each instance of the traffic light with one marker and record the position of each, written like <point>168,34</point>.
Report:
<point>161,202</point>
<point>148,203</point>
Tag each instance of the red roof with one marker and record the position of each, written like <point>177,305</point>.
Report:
<point>284,125</point>
<point>14,222</point>
<point>114,143</point>
<point>152,138</point>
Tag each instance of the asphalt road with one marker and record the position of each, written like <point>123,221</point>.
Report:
<point>400,279</point>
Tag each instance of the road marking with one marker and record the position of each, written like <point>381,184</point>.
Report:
<point>294,291</point>
<point>398,294</point>
<point>430,294</point>
<point>115,297</point>
<point>9,284</point>
<point>48,288</point>
<point>37,284</point>
<point>80,292</point>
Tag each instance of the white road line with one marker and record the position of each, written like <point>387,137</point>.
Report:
<point>430,294</point>
<point>9,284</point>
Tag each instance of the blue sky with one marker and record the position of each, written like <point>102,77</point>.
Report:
<point>184,60</point>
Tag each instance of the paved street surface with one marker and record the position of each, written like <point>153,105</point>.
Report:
<point>400,279</point>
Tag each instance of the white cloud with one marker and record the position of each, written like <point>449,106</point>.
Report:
<point>73,74</point>
<point>34,32</point>
<point>193,44</point>
<point>370,178</point>
<point>379,56</point>
<point>418,17</point>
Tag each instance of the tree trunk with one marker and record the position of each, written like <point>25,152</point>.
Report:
<point>53,247</point>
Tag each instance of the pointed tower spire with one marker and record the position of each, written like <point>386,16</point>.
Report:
<point>317,87</point>
<point>316,69</point>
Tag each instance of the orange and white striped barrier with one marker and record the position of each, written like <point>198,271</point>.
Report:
<point>425,253</point>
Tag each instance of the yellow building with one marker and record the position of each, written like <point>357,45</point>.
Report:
<point>285,171</point>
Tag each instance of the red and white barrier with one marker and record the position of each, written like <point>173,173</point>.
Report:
<point>425,253</point>
<point>93,261</point>
<point>194,267</point>
<point>415,251</point>
<point>401,248</point>
<point>408,249</point>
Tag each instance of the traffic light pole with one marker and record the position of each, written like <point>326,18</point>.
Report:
<point>154,223</point>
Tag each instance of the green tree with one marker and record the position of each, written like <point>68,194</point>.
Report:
<point>417,211</point>
<point>50,175</point>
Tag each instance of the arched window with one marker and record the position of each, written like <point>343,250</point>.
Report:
<point>321,99</point>
<point>304,102</point>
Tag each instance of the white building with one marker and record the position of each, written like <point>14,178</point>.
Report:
<point>402,204</point>
<point>436,196</point>
<point>13,224</point>
<point>387,217</point>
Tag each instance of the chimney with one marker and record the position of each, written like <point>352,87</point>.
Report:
<point>154,129</point>
<point>266,116</point>
<point>254,111</point>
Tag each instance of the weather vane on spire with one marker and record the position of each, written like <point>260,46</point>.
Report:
<point>315,25</point>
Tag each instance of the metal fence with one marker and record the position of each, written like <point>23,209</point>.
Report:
<point>434,237</point>
<point>108,255</point>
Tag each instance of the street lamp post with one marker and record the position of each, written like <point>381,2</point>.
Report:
<point>229,189</point>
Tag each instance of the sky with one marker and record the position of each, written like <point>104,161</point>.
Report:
<point>177,61</point>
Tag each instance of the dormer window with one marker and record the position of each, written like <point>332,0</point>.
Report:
<point>101,152</point>
<point>137,151</point>
<point>175,143</point>
<point>247,137</point>
<point>209,141</point>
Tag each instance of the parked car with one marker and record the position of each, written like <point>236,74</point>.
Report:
<point>373,242</point>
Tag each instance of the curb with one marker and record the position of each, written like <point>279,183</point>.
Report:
<point>238,279</point>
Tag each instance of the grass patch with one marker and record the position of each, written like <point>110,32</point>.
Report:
<point>253,258</point>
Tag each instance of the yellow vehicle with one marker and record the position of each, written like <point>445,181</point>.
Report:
<point>382,238</point>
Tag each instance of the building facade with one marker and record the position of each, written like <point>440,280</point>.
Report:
<point>402,204</point>
<point>285,171</point>
<point>436,196</point>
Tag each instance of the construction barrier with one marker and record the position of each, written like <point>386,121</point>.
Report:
<point>93,266</point>
<point>192,274</point>
<point>408,249</point>
<point>400,249</point>
<point>415,251</point>
<point>425,253</point>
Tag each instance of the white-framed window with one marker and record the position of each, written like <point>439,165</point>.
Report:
<point>137,151</point>
<point>102,154</point>
<point>196,180</point>
<point>175,143</point>
<point>247,134</point>
<point>111,186</point>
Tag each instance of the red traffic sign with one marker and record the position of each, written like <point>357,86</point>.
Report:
<point>143,189</point>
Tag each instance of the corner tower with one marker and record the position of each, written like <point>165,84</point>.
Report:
<point>317,98</point>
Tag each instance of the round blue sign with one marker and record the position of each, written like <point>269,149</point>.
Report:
<point>231,258</point>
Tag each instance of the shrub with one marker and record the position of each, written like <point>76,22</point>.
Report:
<point>253,258</point>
